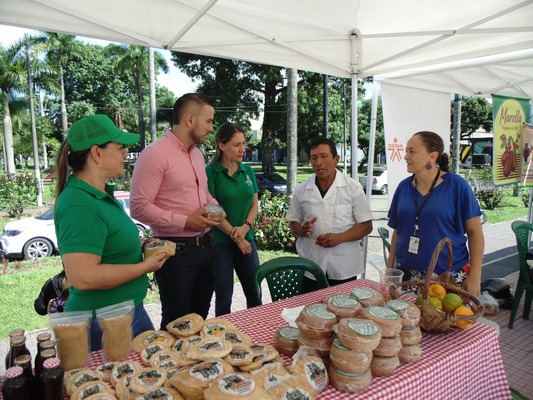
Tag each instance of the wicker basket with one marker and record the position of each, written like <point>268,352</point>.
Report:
<point>433,320</point>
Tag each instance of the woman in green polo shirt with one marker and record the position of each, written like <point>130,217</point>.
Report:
<point>233,185</point>
<point>98,241</point>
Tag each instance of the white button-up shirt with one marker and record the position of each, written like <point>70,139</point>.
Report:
<point>343,206</point>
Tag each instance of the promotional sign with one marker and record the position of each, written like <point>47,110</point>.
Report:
<point>511,151</point>
<point>405,112</point>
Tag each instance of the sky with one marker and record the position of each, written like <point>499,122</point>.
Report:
<point>175,80</point>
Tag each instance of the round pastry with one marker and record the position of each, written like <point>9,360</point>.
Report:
<point>261,348</point>
<point>187,325</point>
<point>89,388</point>
<point>321,346</point>
<point>240,355</point>
<point>257,362</point>
<point>149,351</point>
<point>314,371</point>
<point>358,334</point>
<point>68,374</point>
<point>349,383</point>
<point>104,370</point>
<point>78,379</point>
<point>410,354</point>
<point>216,326</point>
<point>168,363</point>
<point>162,393</point>
<point>411,335</point>
<point>122,386</point>
<point>350,361</point>
<point>267,368</point>
<point>101,396</point>
<point>316,322</point>
<point>236,337</point>
<point>367,297</point>
<point>147,380</point>
<point>388,346</point>
<point>408,312</point>
<point>387,319</point>
<point>155,246</point>
<point>191,382</point>
<point>123,369</point>
<point>147,338</point>
<point>188,341</point>
<point>237,385</point>
<point>286,340</point>
<point>209,348</point>
<point>160,356</point>
<point>273,378</point>
<point>343,306</point>
<point>290,387</point>
<point>384,366</point>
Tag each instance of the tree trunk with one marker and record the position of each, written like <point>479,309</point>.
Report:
<point>456,129</point>
<point>41,113</point>
<point>153,133</point>
<point>140,98</point>
<point>9,154</point>
<point>269,127</point>
<point>64,119</point>
<point>34,133</point>
<point>292,129</point>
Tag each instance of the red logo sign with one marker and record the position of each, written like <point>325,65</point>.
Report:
<point>395,150</point>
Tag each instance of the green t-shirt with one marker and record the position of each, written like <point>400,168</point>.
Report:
<point>89,221</point>
<point>234,193</point>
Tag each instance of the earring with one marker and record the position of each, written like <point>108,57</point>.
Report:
<point>100,165</point>
<point>429,166</point>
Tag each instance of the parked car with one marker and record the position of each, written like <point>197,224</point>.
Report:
<point>35,237</point>
<point>271,181</point>
<point>379,181</point>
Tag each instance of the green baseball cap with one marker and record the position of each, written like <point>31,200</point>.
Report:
<point>97,130</point>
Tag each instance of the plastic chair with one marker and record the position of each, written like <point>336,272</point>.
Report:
<point>285,275</point>
<point>522,231</point>
<point>384,235</point>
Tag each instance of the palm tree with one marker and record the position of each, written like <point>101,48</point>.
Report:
<point>136,60</point>
<point>12,81</point>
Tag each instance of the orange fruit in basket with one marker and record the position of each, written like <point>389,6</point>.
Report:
<point>464,323</point>
<point>438,291</point>
<point>451,302</point>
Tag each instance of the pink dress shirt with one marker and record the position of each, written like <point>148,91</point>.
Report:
<point>168,184</point>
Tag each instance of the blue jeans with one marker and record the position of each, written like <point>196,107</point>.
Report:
<point>186,283</point>
<point>229,257</point>
<point>141,323</point>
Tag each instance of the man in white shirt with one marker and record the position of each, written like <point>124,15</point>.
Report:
<point>329,215</point>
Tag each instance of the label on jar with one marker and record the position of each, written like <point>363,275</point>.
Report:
<point>290,333</point>
<point>364,328</point>
<point>397,305</point>
<point>361,294</point>
<point>344,301</point>
<point>236,385</point>
<point>320,312</point>
<point>382,312</point>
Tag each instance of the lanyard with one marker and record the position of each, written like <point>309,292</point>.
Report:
<point>417,209</point>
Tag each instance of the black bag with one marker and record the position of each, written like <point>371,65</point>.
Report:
<point>53,296</point>
<point>500,289</point>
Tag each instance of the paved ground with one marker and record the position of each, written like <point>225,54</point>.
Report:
<point>500,260</point>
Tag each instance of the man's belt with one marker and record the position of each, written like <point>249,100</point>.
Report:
<point>192,241</point>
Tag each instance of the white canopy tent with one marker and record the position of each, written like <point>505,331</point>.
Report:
<point>346,38</point>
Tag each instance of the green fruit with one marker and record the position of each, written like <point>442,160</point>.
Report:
<point>435,303</point>
<point>451,302</point>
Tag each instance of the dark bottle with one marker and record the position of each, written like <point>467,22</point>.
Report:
<point>25,363</point>
<point>45,355</point>
<point>15,387</point>
<point>41,338</point>
<point>17,349</point>
<point>51,380</point>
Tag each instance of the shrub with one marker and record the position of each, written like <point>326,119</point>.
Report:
<point>488,194</point>
<point>525,196</point>
<point>272,231</point>
<point>17,192</point>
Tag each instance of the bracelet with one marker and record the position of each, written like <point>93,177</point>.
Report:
<point>247,223</point>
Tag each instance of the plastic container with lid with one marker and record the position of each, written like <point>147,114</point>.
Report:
<point>316,322</point>
<point>388,346</point>
<point>384,366</point>
<point>411,335</point>
<point>410,354</point>
<point>347,360</point>
<point>408,312</point>
<point>286,340</point>
<point>388,320</point>
<point>367,297</point>
<point>50,382</point>
<point>350,383</point>
<point>16,386</point>
<point>358,334</point>
<point>343,306</point>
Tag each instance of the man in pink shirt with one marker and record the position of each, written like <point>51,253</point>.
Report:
<point>168,193</point>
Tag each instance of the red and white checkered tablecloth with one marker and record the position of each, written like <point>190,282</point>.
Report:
<point>457,365</point>
<point>461,365</point>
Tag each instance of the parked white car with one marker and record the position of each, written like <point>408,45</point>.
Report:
<point>35,237</point>
<point>379,181</point>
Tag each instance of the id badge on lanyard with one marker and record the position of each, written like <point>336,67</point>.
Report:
<point>414,240</point>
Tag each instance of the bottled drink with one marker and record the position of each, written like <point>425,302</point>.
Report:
<point>17,348</point>
<point>45,355</point>
<point>51,380</point>
<point>41,338</point>
<point>15,387</point>
<point>24,362</point>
